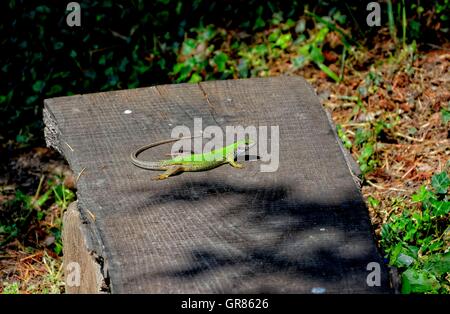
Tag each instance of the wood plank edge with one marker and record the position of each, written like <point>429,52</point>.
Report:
<point>80,256</point>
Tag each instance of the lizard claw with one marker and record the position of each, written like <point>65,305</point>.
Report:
<point>160,177</point>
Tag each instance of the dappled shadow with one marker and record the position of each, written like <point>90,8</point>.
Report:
<point>267,232</point>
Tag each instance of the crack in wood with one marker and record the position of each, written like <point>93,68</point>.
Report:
<point>205,95</point>
<point>212,108</point>
<point>159,92</point>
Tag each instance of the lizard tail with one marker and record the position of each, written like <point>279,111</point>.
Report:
<point>153,165</point>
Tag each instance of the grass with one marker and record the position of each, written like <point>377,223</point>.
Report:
<point>417,239</point>
<point>215,53</point>
<point>31,222</point>
<point>34,273</point>
<point>405,171</point>
<point>28,210</point>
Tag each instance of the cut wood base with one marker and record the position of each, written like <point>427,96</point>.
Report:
<point>84,270</point>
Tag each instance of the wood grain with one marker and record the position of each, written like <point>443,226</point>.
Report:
<point>228,230</point>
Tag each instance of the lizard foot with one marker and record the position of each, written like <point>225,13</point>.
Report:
<point>160,177</point>
<point>236,165</point>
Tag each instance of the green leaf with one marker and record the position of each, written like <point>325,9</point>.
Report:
<point>22,139</point>
<point>195,78</point>
<point>207,33</point>
<point>109,71</point>
<point>386,231</point>
<point>283,41</point>
<point>177,68</point>
<point>361,136</point>
<point>366,153</point>
<point>184,71</point>
<point>63,195</point>
<point>395,254</point>
<point>243,68</point>
<point>43,9</point>
<point>320,36</point>
<point>259,23</point>
<point>38,85</point>
<point>413,251</point>
<point>25,199</point>
<point>56,89</point>
<point>422,195</point>
<point>305,51</point>
<point>260,50</point>
<point>445,116</point>
<point>438,264</point>
<point>404,260</point>
<point>189,46</point>
<point>40,215</point>
<point>366,164</point>
<point>31,99</point>
<point>425,243</point>
<point>373,201</point>
<point>418,281</point>
<point>440,182</point>
<point>220,59</point>
<point>435,245</point>
<point>316,55</point>
<point>102,60</point>
<point>440,208</point>
<point>346,39</point>
<point>328,72</point>
<point>123,64</point>
<point>298,62</point>
<point>58,248</point>
<point>273,37</point>
<point>11,288</point>
<point>58,45</point>
<point>345,140</point>
<point>41,200</point>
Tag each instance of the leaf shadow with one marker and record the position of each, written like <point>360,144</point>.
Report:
<point>273,239</point>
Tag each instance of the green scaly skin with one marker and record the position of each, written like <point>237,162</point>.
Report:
<point>191,162</point>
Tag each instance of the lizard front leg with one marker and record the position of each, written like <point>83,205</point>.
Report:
<point>234,163</point>
<point>172,170</point>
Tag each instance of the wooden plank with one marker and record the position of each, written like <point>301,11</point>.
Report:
<point>300,229</point>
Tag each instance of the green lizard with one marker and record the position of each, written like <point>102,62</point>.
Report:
<point>190,161</point>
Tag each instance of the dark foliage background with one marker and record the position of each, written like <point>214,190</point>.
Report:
<point>128,44</point>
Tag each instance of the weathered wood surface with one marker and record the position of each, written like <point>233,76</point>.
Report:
<point>226,230</point>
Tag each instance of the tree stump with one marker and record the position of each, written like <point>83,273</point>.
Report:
<point>301,229</point>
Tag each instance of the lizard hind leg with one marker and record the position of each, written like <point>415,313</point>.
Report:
<point>172,170</point>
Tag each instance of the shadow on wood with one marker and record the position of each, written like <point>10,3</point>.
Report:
<point>288,244</point>
<point>303,228</point>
